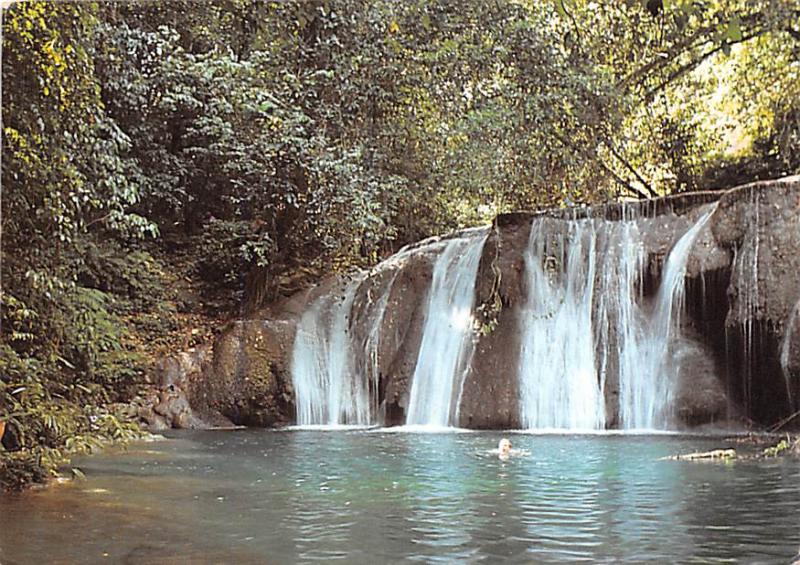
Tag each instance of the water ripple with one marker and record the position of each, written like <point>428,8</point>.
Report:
<point>365,496</point>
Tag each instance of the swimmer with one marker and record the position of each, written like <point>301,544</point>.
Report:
<point>504,450</point>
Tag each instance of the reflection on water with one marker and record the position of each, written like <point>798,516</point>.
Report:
<point>365,496</point>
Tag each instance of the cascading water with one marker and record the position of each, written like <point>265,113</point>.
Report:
<point>446,350</point>
<point>580,322</point>
<point>746,264</point>
<point>368,357</point>
<point>559,385</point>
<point>584,324</point>
<point>647,379</point>
<point>327,389</point>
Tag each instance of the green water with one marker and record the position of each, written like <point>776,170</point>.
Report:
<point>259,496</point>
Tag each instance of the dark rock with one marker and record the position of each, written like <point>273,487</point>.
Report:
<point>401,331</point>
<point>700,393</point>
<point>491,391</point>
<point>758,225</point>
<point>169,407</point>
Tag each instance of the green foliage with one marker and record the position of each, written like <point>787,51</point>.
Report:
<point>777,449</point>
<point>20,469</point>
<point>221,252</point>
<point>66,182</point>
<point>345,128</point>
<point>49,416</point>
<point>132,276</point>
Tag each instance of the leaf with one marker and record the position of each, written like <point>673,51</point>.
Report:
<point>734,32</point>
<point>426,21</point>
<point>726,48</point>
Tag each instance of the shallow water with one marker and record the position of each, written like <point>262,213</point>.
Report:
<point>367,496</point>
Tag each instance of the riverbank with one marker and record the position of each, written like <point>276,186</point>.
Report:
<point>151,303</point>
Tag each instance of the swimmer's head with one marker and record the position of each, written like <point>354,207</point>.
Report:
<point>504,447</point>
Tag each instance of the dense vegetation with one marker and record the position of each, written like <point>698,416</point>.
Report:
<point>165,163</point>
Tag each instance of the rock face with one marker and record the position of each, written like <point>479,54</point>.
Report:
<point>242,379</point>
<point>169,407</point>
<point>738,351</point>
<point>757,227</point>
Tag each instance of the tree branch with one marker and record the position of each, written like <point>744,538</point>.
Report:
<point>688,67</point>
<point>632,189</point>
<point>688,44</point>
<point>650,191</point>
<point>671,54</point>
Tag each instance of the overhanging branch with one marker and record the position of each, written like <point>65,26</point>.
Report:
<point>649,189</point>
<point>688,67</point>
<point>631,188</point>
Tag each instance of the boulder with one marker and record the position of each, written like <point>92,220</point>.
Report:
<point>247,380</point>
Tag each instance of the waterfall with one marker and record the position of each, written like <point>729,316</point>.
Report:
<point>369,356</point>
<point>328,391</point>
<point>746,264</point>
<point>446,349</point>
<point>585,325</point>
<point>584,321</point>
<point>647,378</point>
<point>559,386</point>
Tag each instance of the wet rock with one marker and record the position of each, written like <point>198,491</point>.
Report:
<point>700,396</point>
<point>490,396</point>
<point>154,422</point>
<point>247,380</point>
<point>758,225</point>
<point>790,346</point>
<point>168,406</point>
<point>401,333</point>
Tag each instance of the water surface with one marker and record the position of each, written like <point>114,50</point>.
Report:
<point>368,496</point>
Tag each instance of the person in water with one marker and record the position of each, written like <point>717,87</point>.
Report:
<point>504,447</point>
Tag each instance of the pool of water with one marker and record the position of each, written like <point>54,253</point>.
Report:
<point>374,496</point>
